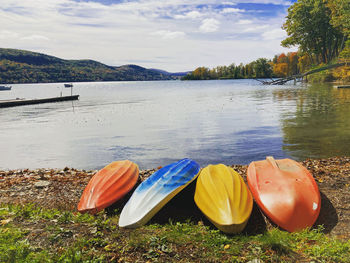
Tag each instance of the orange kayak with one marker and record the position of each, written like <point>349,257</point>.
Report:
<point>108,186</point>
<point>286,192</point>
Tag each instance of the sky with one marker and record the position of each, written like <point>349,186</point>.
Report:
<point>172,35</point>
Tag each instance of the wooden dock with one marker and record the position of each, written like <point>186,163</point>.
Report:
<point>20,102</point>
<point>343,87</point>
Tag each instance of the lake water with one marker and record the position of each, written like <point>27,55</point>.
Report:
<point>155,123</point>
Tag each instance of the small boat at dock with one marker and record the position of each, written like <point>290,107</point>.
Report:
<point>2,87</point>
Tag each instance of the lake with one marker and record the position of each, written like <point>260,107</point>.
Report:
<point>155,123</point>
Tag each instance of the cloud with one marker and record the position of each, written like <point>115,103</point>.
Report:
<point>190,15</point>
<point>5,34</point>
<point>209,25</point>
<point>229,3</point>
<point>255,29</point>
<point>166,34</point>
<point>244,22</point>
<point>231,10</point>
<point>35,37</point>
<point>276,33</point>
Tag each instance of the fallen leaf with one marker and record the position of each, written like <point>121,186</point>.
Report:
<point>5,221</point>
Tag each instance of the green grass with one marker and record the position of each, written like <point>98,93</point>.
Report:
<point>32,234</point>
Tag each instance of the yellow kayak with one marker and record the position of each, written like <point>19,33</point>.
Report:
<point>224,198</point>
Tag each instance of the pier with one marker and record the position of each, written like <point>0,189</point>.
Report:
<point>20,102</point>
<point>342,87</point>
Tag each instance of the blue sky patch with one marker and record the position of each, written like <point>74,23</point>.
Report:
<point>262,10</point>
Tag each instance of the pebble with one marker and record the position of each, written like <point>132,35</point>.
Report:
<point>41,184</point>
<point>256,260</point>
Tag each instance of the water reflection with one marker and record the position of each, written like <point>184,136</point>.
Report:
<point>320,126</point>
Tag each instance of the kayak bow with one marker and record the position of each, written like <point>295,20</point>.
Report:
<point>224,198</point>
<point>286,192</point>
<point>152,194</point>
<point>108,186</point>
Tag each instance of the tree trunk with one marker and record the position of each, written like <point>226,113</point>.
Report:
<point>334,50</point>
<point>342,46</point>
<point>310,58</point>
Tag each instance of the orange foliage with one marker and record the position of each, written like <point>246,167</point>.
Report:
<point>282,58</point>
<point>280,69</point>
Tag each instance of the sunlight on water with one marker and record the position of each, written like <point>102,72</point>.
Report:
<point>154,123</point>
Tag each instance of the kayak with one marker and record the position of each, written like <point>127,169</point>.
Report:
<point>108,186</point>
<point>224,198</point>
<point>286,192</point>
<point>152,194</point>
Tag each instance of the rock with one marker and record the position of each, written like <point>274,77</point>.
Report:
<point>256,260</point>
<point>42,184</point>
<point>93,230</point>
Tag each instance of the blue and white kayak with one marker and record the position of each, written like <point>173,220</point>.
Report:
<point>152,194</point>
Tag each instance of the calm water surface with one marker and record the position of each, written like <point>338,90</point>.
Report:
<point>155,123</point>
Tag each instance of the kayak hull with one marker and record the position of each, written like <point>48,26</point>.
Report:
<point>286,192</point>
<point>224,198</point>
<point>108,185</point>
<point>152,194</point>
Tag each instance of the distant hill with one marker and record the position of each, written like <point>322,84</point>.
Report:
<point>20,66</point>
<point>177,74</point>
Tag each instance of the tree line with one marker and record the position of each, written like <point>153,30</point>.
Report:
<point>319,28</point>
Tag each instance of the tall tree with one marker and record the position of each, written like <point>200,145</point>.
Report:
<point>340,15</point>
<point>262,68</point>
<point>308,26</point>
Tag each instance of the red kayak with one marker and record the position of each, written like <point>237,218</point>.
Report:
<point>286,192</point>
<point>108,186</point>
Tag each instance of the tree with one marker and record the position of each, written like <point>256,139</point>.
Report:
<point>308,26</point>
<point>304,63</point>
<point>262,68</point>
<point>282,58</point>
<point>293,68</point>
<point>340,16</point>
<point>280,69</point>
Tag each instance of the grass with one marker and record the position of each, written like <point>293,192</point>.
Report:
<point>31,234</point>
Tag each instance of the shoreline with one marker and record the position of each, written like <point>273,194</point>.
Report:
<point>61,189</point>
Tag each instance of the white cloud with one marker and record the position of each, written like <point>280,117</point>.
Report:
<point>5,34</point>
<point>209,25</point>
<point>190,15</point>
<point>35,38</point>
<point>255,29</point>
<point>244,22</point>
<point>166,34</point>
<point>229,3</point>
<point>276,33</point>
<point>231,10</point>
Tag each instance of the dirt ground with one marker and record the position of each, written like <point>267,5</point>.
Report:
<point>61,189</point>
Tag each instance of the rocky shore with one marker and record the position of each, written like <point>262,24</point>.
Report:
<point>62,188</point>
